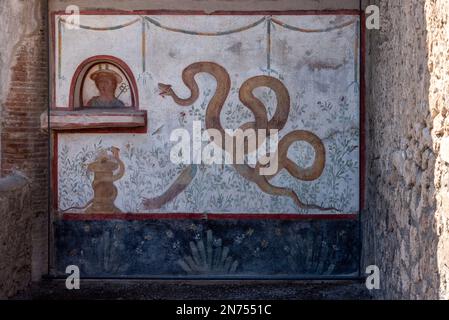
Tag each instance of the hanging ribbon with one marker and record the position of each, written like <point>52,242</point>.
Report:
<point>120,26</point>
<point>290,27</point>
<point>200,33</point>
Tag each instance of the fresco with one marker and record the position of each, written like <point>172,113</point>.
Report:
<point>106,86</point>
<point>295,73</point>
<point>124,208</point>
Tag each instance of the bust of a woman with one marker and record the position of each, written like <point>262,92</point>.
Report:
<point>106,81</point>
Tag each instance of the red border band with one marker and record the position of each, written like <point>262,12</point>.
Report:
<point>199,216</point>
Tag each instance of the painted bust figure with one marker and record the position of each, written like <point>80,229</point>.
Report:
<point>106,81</point>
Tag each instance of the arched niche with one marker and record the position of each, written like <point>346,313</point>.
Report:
<point>84,91</point>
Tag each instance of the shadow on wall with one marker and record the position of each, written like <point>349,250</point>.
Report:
<point>403,221</point>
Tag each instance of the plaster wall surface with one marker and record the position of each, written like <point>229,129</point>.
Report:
<point>209,5</point>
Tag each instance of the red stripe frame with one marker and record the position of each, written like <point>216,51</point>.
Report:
<point>200,216</point>
<point>114,60</point>
<point>362,165</point>
<point>212,216</point>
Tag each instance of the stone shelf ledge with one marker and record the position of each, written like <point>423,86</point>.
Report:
<point>94,118</point>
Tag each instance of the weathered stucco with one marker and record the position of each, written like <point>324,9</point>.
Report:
<point>208,5</point>
<point>405,224</point>
<point>15,235</point>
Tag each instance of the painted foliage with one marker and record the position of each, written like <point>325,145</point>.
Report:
<point>298,74</point>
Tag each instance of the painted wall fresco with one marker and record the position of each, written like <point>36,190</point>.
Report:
<point>105,85</point>
<point>214,248</point>
<point>312,60</point>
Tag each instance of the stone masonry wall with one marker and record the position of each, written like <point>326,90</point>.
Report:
<point>437,18</point>
<point>15,235</point>
<point>24,95</point>
<point>406,221</point>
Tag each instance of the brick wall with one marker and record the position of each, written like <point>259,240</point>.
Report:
<point>23,144</point>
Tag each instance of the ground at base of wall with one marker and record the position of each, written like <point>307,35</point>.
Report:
<point>199,290</point>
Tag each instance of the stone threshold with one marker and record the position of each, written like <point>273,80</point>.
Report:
<point>54,289</point>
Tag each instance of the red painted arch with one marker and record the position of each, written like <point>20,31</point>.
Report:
<point>84,66</point>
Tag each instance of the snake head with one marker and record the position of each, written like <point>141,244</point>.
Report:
<point>165,90</point>
<point>115,152</point>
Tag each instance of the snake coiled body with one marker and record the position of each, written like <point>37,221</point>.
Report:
<point>261,122</point>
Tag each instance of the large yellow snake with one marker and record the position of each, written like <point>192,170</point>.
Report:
<point>261,122</point>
